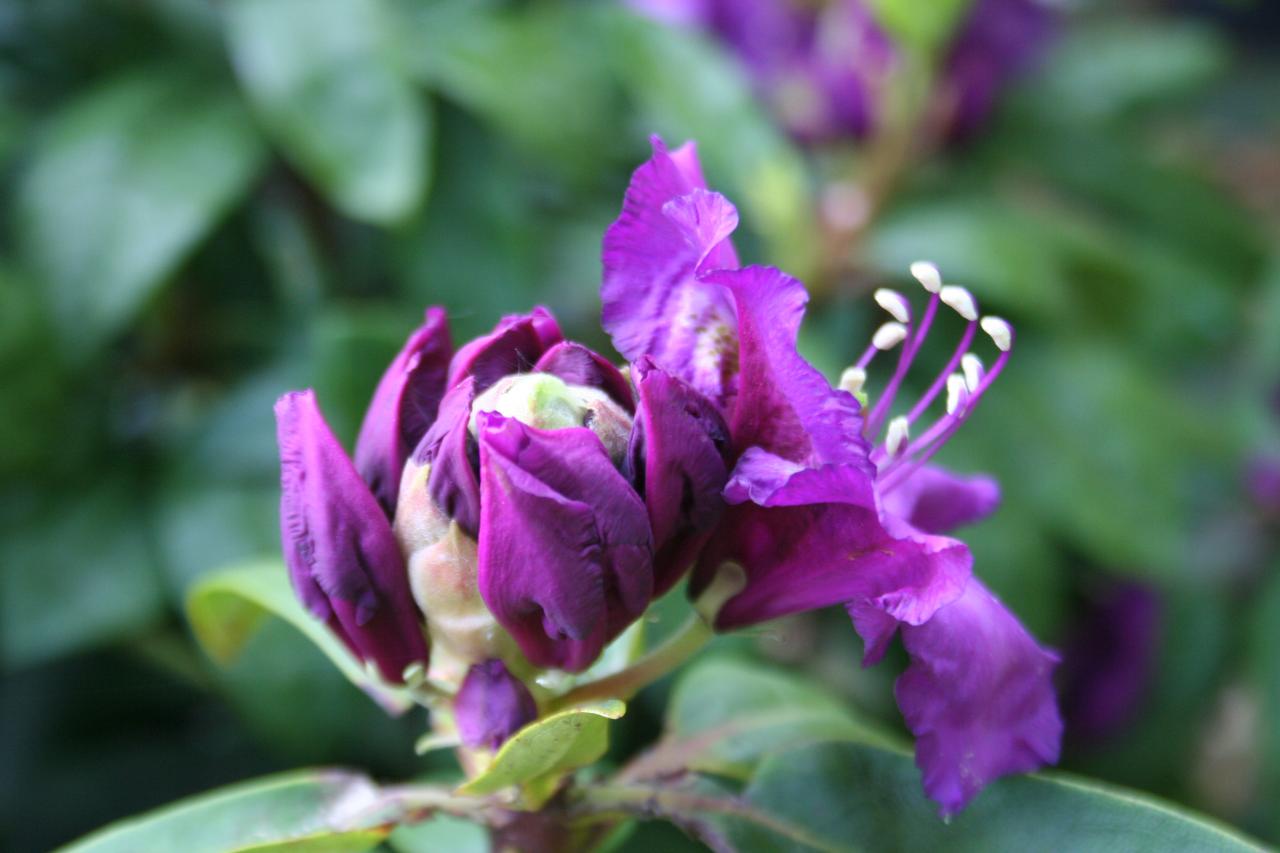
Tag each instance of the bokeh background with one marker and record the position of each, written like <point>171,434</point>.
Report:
<point>207,203</point>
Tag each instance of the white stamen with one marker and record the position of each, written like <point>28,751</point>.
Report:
<point>1000,331</point>
<point>972,367</point>
<point>897,435</point>
<point>853,379</point>
<point>957,393</point>
<point>961,300</point>
<point>895,303</point>
<point>927,274</point>
<point>889,336</point>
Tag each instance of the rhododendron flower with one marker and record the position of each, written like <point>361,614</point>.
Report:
<point>544,497</point>
<point>823,68</point>
<point>830,503</point>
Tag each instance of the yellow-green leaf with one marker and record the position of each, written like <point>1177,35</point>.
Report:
<point>547,748</point>
<point>228,606</point>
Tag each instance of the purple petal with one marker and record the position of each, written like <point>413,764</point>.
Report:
<point>1111,659</point>
<point>672,229</point>
<point>451,451</point>
<point>577,365</point>
<point>514,346</point>
<point>566,555</point>
<point>784,404</point>
<point>677,459</point>
<point>812,537</point>
<point>403,407</point>
<point>937,501</point>
<point>978,696</point>
<point>1000,39</point>
<point>492,705</point>
<point>342,556</point>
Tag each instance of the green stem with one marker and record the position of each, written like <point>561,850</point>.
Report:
<point>678,648</point>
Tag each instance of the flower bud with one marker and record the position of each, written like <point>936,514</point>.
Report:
<point>343,559</point>
<point>566,554</point>
<point>492,705</point>
<point>403,407</point>
<point>442,567</point>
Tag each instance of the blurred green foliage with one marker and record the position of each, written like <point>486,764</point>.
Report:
<point>209,203</point>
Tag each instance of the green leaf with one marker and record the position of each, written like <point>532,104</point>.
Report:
<point>227,607</point>
<point>320,811</point>
<point>324,78</point>
<point>860,797</point>
<point>1102,70</point>
<point>688,89</point>
<point>124,183</point>
<point>543,750</point>
<point>77,572</point>
<point>727,714</point>
<point>548,93</point>
<point>440,834</point>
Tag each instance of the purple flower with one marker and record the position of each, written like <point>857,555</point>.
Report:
<point>1110,659</point>
<point>343,559</point>
<point>825,68</point>
<point>539,501</point>
<point>829,503</point>
<point>492,705</point>
<point>549,496</point>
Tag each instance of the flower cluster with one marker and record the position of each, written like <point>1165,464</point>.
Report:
<point>824,68</point>
<point>516,503</point>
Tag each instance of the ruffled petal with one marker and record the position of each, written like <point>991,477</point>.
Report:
<point>514,346</point>
<point>577,365</point>
<point>342,556</point>
<point>671,230</point>
<point>813,537</point>
<point>403,408</point>
<point>451,451</point>
<point>935,500</point>
<point>785,405</point>
<point>492,705</point>
<point>978,696</point>
<point>566,555</point>
<point>677,460</point>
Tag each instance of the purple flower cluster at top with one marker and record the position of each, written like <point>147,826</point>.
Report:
<point>823,66</point>
<point>568,494</point>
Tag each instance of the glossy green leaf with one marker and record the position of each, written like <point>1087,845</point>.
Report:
<point>324,77</point>
<point>313,811</point>
<point>547,94</point>
<point>1102,70</point>
<point>227,607</point>
<point>549,747</point>
<point>850,796</point>
<point>125,181</point>
<point>441,834</point>
<point>727,714</point>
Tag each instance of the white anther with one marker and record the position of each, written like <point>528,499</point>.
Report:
<point>961,300</point>
<point>895,303</point>
<point>853,379</point>
<point>972,367</point>
<point>1000,331</point>
<point>889,336</point>
<point>927,274</point>
<point>897,435</point>
<point>957,393</point>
